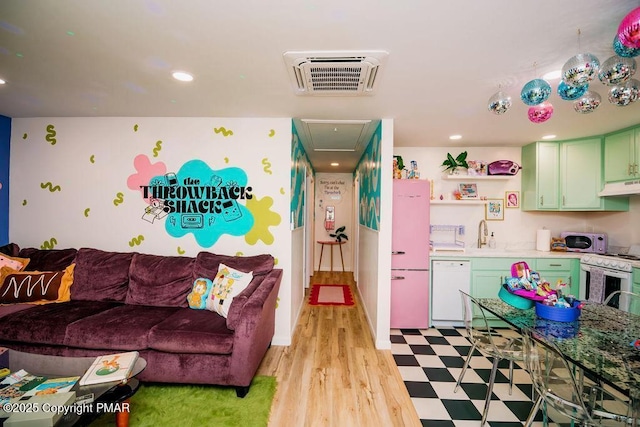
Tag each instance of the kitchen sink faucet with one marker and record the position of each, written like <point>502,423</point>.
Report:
<point>482,238</point>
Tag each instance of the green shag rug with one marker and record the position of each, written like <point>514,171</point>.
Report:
<point>191,405</point>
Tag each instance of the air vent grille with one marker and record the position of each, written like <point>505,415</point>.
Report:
<point>334,78</point>
<point>314,74</point>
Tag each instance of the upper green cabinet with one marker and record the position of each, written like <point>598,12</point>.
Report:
<point>540,176</point>
<point>565,176</point>
<point>621,155</point>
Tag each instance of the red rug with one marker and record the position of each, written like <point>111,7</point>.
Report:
<point>331,295</point>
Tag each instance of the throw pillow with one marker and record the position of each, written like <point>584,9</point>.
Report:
<point>35,287</point>
<point>197,298</point>
<point>228,283</point>
<point>14,263</point>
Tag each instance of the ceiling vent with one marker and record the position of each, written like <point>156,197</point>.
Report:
<point>335,73</point>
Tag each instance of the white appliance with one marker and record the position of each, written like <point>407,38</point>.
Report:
<point>410,254</point>
<point>600,275</point>
<point>448,278</point>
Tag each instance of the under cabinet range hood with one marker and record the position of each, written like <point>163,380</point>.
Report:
<point>626,188</point>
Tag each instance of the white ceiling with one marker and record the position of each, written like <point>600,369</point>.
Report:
<point>446,59</point>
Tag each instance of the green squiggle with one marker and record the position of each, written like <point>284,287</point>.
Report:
<point>157,149</point>
<point>50,244</point>
<point>119,199</point>
<point>224,131</point>
<point>181,251</point>
<point>86,212</point>
<point>136,240</point>
<point>50,186</point>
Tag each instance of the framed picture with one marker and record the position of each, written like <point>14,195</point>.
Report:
<point>468,191</point>
<point>512,199</point>
<point>494,210</point>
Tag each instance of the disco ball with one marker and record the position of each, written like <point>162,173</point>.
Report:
<point>535,92</point>
<point>616,70</point>
<point>569,93</point>
<point>624,94</point>
<point>499,103</point>
<point>540,113</point>
<point>587,103</point>
<point>580,69</point>
<point>629,29</point>
<point>624,51</point>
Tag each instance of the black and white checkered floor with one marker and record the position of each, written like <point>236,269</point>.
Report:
<point>430,361</point>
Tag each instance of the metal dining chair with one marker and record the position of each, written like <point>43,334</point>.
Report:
<point>489,344</point>
<point>624,300</point>
<point>555,383</point>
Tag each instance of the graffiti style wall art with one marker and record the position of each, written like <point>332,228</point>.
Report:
<point>197,199</point>
<point>369,173</point>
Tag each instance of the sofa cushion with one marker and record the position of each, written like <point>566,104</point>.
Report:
<point>192,331</point>
<point>35,286</point>
<point>125,327</point>
<point>48,259</point>
<point>162,281</point>
<point>10,249</point>
<point>228,283</point>
<point>207,264</point>
<point>101,275</point>
<point>37,326</point>
<point>197,298</point>
<point>14,263</point>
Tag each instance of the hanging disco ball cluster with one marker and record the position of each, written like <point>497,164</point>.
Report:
<point>577,74</point>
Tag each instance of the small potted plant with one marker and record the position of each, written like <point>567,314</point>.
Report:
<point>452,163</point>
<point>339,234</point>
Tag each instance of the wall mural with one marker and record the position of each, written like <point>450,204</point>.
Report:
<point>202,201</point>
<point>299,161</point>
<point>369,172</point>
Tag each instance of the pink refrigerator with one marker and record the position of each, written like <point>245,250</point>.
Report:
<point>410,254</point>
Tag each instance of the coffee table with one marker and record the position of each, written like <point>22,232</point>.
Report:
<point>107,397</point>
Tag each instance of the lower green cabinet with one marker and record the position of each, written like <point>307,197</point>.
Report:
<point>565,270</point>
<point>488,274</point>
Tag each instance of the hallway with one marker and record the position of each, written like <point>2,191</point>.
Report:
<point>332,375</point>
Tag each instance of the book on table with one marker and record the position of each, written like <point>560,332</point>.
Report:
<point>109,368</point>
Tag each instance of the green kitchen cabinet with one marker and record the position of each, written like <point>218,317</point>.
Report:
<point>540,176</point>
<point>565,176</point>
<point>566,270</point>
<point>621,155</point>
<point>636,281</point>
<point>488,274</point>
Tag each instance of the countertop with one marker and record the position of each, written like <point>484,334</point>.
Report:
<point>501,253</point>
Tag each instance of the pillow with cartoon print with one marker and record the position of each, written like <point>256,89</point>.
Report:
<point>228,283</point>
<point>197,298</point>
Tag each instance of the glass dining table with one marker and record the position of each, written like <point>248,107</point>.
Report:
<point>600,341</point>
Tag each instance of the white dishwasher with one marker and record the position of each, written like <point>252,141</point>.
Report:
<point>448,278</point>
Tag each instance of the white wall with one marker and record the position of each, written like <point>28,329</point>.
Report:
<point>75,192</point>
<point>518,230</point>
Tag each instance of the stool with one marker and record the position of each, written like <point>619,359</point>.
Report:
<point>331,243</point>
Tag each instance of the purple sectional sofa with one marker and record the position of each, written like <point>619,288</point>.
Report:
<point>123,301</point>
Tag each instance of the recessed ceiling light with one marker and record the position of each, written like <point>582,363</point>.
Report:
<point>335,164</point>
<point>548,137</point>
<point>552,75</point>
<point>455,137</point>
<point>182,76</point>
<point>2,82</point>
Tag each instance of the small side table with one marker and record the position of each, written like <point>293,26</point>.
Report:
<point>331,243</point>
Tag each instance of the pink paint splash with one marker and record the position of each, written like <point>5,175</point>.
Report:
<point>146,170</point>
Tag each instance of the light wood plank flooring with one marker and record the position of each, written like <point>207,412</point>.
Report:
<point>332,374</point>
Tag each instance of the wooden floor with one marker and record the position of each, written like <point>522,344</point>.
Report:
<point>332,375</point>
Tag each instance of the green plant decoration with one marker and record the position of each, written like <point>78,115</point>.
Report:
<point>459,162</point>
<point>339,234</point>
